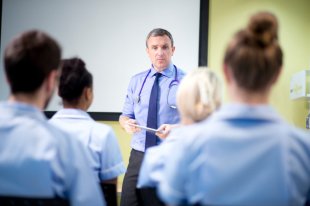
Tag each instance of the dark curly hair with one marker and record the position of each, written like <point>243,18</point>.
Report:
<point>73,79</point>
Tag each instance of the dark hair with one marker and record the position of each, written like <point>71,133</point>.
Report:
<point>159,32</point>
<point>28,60</point>
<point>254,54</point>
<point>73,79</point>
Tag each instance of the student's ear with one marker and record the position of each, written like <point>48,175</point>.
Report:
<point>275,79</point>
<point>227,73</point>
<point>88,97</point>
<point>7,81</point>
<point>88,92</point>
<point>199,107</point>
<point>51,81</point>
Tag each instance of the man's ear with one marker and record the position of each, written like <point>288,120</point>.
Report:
<point>147,51</point>
<point>173,49</point>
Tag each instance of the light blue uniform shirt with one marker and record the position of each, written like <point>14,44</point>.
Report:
<point>155,157</point>
<point>100,140</point>
<point>39,160</point>
<point>139,110</point>
<point>241,155</point>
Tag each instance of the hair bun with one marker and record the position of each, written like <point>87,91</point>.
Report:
<point>263,26</point>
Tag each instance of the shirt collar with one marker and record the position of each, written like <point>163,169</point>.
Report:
<point>22,109</point>
<point>168,72</point>
<point>72,113</point>
<point>248,112</point>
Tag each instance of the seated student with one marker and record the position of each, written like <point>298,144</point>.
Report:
<point>38,160</point>
<point>197,97</point>
<point>245,153</point>
<point>76,91</point>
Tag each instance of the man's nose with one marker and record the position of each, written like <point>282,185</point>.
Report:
<point>160,51</point>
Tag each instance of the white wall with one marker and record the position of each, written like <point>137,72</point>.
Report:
<point>109,35</point>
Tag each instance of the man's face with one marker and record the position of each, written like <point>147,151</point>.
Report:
<point>160,51</point>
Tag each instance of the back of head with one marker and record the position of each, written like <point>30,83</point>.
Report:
<point>28,60</point>
<point>74,78</point>
<point>198,94</point>
<point>254,55</point>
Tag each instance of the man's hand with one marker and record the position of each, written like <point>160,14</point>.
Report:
<point>125,123</point>
<point>164,130</point>
<point>129,128</point>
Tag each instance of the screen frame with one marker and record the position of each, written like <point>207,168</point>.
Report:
<point>202,57</point>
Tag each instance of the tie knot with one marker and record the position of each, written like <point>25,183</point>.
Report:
<point>157,75</point>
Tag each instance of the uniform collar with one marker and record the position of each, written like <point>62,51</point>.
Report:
<point>72,113</point>
<point>248,112</point>
<point>168,72</point>
<point>21,109</point>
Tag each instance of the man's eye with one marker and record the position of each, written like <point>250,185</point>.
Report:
<point>154,48</point>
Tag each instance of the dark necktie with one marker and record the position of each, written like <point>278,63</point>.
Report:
<point>151,138</point>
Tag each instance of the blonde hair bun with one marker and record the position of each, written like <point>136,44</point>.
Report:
<point>198,94</point>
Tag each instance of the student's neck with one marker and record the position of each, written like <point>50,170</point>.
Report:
<point>238,95</point>
<point>79,106</point>
<point>31,99</point>
<point>186,121</point>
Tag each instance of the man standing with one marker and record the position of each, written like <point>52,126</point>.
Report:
<point>150,102</point>
<point>38,160</point>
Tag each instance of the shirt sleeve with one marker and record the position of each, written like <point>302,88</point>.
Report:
<point>111,159</point>
<point>128,108</point>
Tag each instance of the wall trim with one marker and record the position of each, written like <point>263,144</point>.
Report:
<point>203,33</point>
<point>98,116</point>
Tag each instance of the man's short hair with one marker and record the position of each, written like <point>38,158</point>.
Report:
<point>159,32</point>
<point>28,60</point>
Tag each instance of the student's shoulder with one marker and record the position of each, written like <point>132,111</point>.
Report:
<point>300,135</point>
<point>103,136</point>
<point>42,127</point>
<point>59,134</point>
<point>53,138</point>
<point>194,134</point>
<point>185,134</point>
<point>102,130</point>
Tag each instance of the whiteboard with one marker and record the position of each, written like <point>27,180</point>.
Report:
<point>109,35</point>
